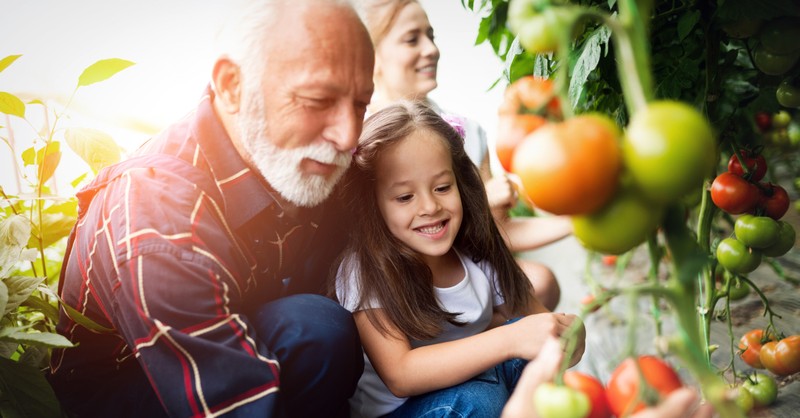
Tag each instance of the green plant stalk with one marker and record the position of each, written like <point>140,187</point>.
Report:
<point>633,53</point>
<point>655,261</point>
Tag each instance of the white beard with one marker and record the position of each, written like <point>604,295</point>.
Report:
<point>281,167</point>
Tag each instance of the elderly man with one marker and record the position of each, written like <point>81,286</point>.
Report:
<point>197,259</point>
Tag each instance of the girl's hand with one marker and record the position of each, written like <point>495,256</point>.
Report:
<point>530,332</point>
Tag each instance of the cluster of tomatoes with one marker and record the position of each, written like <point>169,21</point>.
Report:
<point>759,230</point>
<point>614,186</point>
<point>763,350</point>
<point>583,395</point>
<point>779,129</point>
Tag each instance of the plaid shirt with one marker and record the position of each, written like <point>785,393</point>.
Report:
<point>172,262</point>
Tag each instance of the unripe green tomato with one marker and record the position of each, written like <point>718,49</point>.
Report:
<point>554,401</point>
<point>743,28</point>
<point>783,243</point>
<point>736,257</point>
<point>781,119</point>
<point>541,33</point>
<point>763,388</point>
<point>793,132</point>
<point>780,36</point>
<point>774,64</point>
<point>669,148</point>
<point>620,225</point>
<point>744,399</point>
<point>738,290</point>
<point>756,231</point>
<point>787,94</point>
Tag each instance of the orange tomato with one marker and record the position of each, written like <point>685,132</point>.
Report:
<point>511,130</point>
<point>572,167</point>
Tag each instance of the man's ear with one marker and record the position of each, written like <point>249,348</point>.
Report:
<point>227,78</point>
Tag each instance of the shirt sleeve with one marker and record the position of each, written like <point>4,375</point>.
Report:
<point>178,298</point>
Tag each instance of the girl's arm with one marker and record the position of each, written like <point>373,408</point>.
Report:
<point>408,372</point>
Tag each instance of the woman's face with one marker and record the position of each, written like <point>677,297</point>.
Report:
<point>406,59</point>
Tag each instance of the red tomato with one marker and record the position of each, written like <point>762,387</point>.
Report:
<point>733,194</point>
<point>757,166</point>
<point>609,259</point>
<point>763,121</point>
<point>623,385</point>
<point>782,357</point>
<point>511,131</point>
<point>592,388</point>
<point>774,201</point>
<point>570,168</point>
<point>750,344</point>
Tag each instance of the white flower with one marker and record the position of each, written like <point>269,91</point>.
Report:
<point>14,234</point>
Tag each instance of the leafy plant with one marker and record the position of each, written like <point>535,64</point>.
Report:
<point>33,226</point>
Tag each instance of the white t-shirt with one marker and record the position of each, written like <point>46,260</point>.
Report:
<point>474,297</point>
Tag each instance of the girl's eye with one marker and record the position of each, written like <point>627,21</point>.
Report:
<point>443,189</point>
<point>404,198</point>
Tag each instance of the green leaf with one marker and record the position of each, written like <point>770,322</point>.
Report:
<point>29,156</point>
<point>687,22</point>
<point>102,70</point>
<point>78,180</point>
<point>48,158</point>
<point>590,54</point>
<point>19,289</point>
<point>95,147</point>
<point>3,296</point>
<point>5,62</point>
<point>39,304</point>
<point>41,339</point>
<point>11,105</point>
<point>24,392</point>
<point>83,320</point>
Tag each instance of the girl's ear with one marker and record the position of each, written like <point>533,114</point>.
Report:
<point>227,79</point>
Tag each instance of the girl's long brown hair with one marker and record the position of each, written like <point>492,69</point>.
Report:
<point>389,272</point>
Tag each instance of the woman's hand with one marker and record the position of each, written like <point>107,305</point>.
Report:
<point>502,193</point>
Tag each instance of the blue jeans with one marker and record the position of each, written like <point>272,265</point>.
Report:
<point>483,396</point>
<point>317,344</point>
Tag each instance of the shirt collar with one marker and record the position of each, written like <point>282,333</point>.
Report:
<point>245,193</point>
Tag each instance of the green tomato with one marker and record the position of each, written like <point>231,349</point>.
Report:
<point>774,64</point>
<point>779,36</point>
<point>743,28</point>
<point>783,243</point>
<point>736,257</point>
<point>554,401</point>
<point>762,387</point>
<point>787,94</point>
<point>756,231</point>
<point>793,131</point>
<point>540,33</point>
<point>620,225</point>
<point>781,119</point>
<point>738,290</point>
<point>744,399</point>
<point>669,149</point>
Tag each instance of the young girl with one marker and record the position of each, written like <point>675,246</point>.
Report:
<point>429,278</point>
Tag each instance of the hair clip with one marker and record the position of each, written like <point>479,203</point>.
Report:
<point>457,122</point>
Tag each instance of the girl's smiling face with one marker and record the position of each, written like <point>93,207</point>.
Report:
<point>417,193</point>
<point>406,59</point>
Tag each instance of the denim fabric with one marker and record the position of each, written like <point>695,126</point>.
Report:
<point>317,344</point>
<point>483,396</point>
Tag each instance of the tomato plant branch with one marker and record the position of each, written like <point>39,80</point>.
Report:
<point>764,300</point>
<point>655,260</point>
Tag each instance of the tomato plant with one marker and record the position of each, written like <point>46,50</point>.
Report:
<point>763,388</point>
<point>779,36</point>
<point>773,64</point>
<point>733,194</point>
<point>750,347</point>
<point>571,167</point>
<point>756,165</point>
<point>531,95</point>
<point>784,243</point>
<point>763,121</point>
<point>736,257</point>
<point>539,26</point>
<point>556,401</point>
<point>744,399</point>
<point>738,289</point>
<point>593,389</point>
<point>782,357</point>
<point>623,386</point>
<point>511,131</point>
<point>619,226</point>
<point>757,231</point>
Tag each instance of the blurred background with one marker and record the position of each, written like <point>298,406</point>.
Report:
<point>170,43</point>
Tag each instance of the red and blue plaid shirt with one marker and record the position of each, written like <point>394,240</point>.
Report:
<point>172,264</point>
